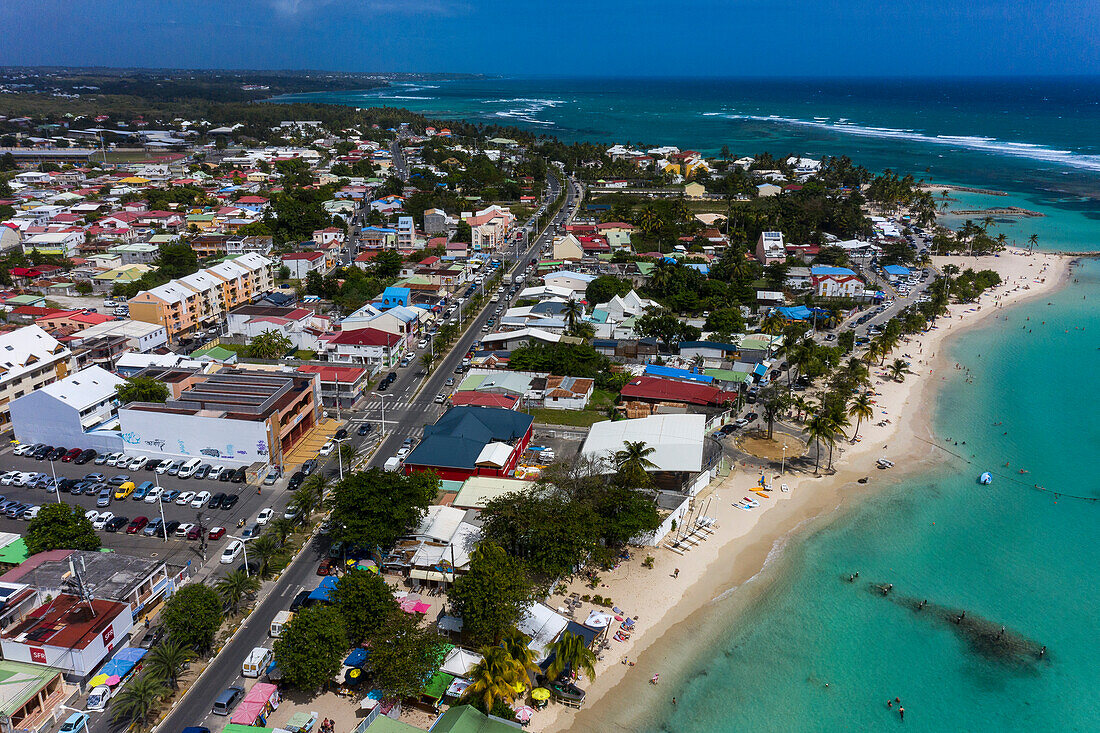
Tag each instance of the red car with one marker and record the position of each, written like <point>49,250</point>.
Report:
<point>71,455</point>
<point>217,533</point>
<point>325,568</point>
<point>137,525</point>
<point>194,533</point>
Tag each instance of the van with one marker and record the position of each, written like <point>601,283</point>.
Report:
<point>187,470</point>
<point>256,662</point>
<point>227,700</point>
<point>282,618</point>
<point>75,723</point>
<point>125,490</point>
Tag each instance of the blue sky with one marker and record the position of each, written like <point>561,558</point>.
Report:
<point>566,37</point>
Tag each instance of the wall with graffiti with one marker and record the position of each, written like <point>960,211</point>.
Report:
<point>214,440</point>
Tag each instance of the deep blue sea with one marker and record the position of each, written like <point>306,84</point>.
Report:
<point>1036,139</point>
<point>1005,553</point>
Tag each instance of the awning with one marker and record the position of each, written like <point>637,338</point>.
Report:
<point>123,661</point>
<point>431,575</point>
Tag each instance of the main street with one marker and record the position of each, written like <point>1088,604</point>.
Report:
<point>412,408</point>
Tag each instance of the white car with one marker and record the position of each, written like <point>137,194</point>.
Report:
<point>153,495</point>
<point>185,498</point>
<point>164,465</point>
<point>215,473</point>
<point>265,516</point>
<point>200,500</point>
<point>231,551</point>
<point>327,449</point>
<point>32,512</point>
<point>91,515</point>
<point>98,697</point>
<point>422,344</point>
<point>24,478</point>
<point>139,463</point>
<point>23,449</point>
<point>114,458</point>
<point>402,453</point>
<point>122,462</point>
<point>184,528</point>
<point>8,477</point>
<point>101,521</point>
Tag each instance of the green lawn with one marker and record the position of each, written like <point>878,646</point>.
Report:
<point>577,418</point>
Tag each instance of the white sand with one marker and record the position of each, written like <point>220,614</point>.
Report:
<point>746,540</point>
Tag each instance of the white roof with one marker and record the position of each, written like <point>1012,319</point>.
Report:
<point>535,333</point>
<point>171,292</point>
<point>252,260</point>
<point>201,281</point>
<point>542,624</point>
<point>440,523</point>
<point>459,662</point>
<point>27,349</point>
<point>554,291</point>
<point>131,329</point>
<point>495,455</point>
<point>135,360</point>
<point>677,440</point>
<point>85,388</point>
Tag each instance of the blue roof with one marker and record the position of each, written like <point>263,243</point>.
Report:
<point>828,270</point>
<point>800,312</point>
<point>896,270</point>
<point>664,371</point>
<point>381,230</point>
<point>458,437</point>
<point>324,591</point>
<point>123,661</point>
<point>705,269</point>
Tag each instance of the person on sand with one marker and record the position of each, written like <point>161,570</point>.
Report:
<point>676,573</point>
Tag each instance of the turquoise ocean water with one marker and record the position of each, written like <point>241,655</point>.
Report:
<point>1005,553</point>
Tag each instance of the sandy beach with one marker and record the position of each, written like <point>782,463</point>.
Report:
<point>675,609</point>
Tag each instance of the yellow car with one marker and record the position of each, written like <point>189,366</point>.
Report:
<point>125,490</point>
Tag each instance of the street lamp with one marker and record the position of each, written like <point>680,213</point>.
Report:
<point>783,467</point>
<point>160,505</point>
<point>244,546</point>
<point>56,488</point>
<point>339,456</point>
<point>382,395</point>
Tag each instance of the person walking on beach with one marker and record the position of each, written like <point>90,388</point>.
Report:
<point>676,573</point>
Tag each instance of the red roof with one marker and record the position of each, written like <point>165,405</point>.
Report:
<point>367,256</point>
<point>659,390</point>
<point>484,399</point>
<point>366,337</point>
<point>66,622</point>
<point>35,311</point>
<point>344,374</point>
<point>311,256</point>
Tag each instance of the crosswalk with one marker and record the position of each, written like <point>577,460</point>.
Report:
<point>374,407</point>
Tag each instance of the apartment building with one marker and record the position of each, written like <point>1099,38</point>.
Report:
<point>29,359</point>
<point>202,299</point>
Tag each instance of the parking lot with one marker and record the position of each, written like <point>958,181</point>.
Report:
<point>250,501</point>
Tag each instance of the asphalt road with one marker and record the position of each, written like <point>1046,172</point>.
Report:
<point>399,166</point>
<point>408,416</point>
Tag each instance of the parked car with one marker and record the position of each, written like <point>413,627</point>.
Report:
<point>194,532</point>
<point>171,526</point>
<point>240,475</point>
<point>216,533</point>
<point>101,521</point>
<point>113,458</point>
<point>72,455</point>
<point>31,512</point>
<point>169,496</point>
<point>75,723</point>
<point>185,498</point>
<point>231,552</point>
<point>230,501</point>
<point>142,490</point>
<point>137,524</point>
<point>341,434</point>
<point>163,466</point>
<point>140,463</point>
<point>200,499</point>
<point>153,529</point>
<point>203,471</point>
<point>295,481</point>
<point>183,529</point>
<point>309,466</point>
<point>118,480</point>
<point>153,494</point>
<point>116,524</point>
<point>56,454</point>
<point>215,501</point>
<point>104,498</point>
<point>215,473</point>
<point>327,449</point>
<point>85,455</point>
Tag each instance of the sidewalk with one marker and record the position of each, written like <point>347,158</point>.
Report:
<point>310,443</point>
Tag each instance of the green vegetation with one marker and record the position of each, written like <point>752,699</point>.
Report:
<point>60,527</point>
<point>138,700</point>
<point>236,587</point>
<point>270,344</point>
<point>311,647</point>
<point>492,595</point>
<point>403,656</point>
<point>193,616</point>
<point>365,602</point>
<point>174,261</point>
<point>373,508</point>
<point>142,389</point>
<point>577,418</point>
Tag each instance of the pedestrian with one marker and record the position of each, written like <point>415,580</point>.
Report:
<point>676,573</point>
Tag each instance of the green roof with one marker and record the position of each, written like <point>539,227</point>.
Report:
<point>437,685</point>
<point>19,682</point>
<point>25,300</point>
<point>14,553</point>
<point>238,728</point>
<point>216,352</point>
<point>726,375</point>
<point>468,719</point>
<point>382,724</point>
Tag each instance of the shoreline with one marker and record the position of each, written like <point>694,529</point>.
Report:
<point>717,578</point>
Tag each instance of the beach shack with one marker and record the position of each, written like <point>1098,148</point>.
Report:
<point>260,701</point>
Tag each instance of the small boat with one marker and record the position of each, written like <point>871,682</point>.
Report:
<point>985,479</point>
<point>883,463</point>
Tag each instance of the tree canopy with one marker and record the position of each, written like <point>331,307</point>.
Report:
<point>373,508</point>
<point>403,656</point>
<point>142,389</point>
<point>365,602</point>
<point>270,344</point>
<point>193,615</point>
<point>311,647</point>
<point>60,527</point>
<point>492,595</point>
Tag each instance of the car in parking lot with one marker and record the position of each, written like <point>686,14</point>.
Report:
<point>230,501</point>
<point>183,529</point>
<point>139,464</point>
<point>203,471</point>
<point>24,449</point>
<point>215,473</point>
<point>227,475</point>
<point>104,498</point>
<point>31,512</point>
<point>174,469</point>
<point>142,490</point>
<point>152,528</point>
<point>240,475</point>
<point>116,524</point>
<point>71,455</point>
<point>401,453</point>
<point>171,526</point>
<point>163,466</point>
<point>194,532</point>
<point>41,453</point>
<point>216,533</point>
<point>86,455</point>
<point>153,494</point>
<point>112,459</point>
<point>185,498</point>
<point>200,499</point>
<point>101,521</point>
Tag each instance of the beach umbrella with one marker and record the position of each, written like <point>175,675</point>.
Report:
<point>540,693</point>
<point>113,680</point>
<point>98,680</point>
<point>524,713</point>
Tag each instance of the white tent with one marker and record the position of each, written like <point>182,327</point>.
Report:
<point>459,662</point>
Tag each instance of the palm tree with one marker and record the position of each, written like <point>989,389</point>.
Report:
<point>773,323</point>
<point>818,430</point>
<point>898,369</point>
<point>874,350</point>
<point>139,699</point>
<point>264,548</point>
<point>349,453</point>
<point>235,587</point>
<point>573,311</point>
<point>281,528</point>
<point>632,461</point>
<point>837,423</point>
<point>167,660</point>
<point>570,652</point>
<point>515,642</point>
<point>494,677</point>
<point>802,405</point>
<point>427,359</point>
<point>1033,242</point>
<point>309,496</point>
<point>861,409</point>
<point>857,372</point>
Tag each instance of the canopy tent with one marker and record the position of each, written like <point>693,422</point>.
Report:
<point>357,658</point>
<point>123,661</point>
<point>323,592</point>
<point>437,686</point>
<point>801,312</point>
<point>597,620</point>
<point>254,705</point>
<point>459,662</point>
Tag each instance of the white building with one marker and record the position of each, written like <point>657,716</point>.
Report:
<point>79,411</point>
<point>141,336</point>
<point>677,440</point>
<point>770,248</point>
<point>30,358</point>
